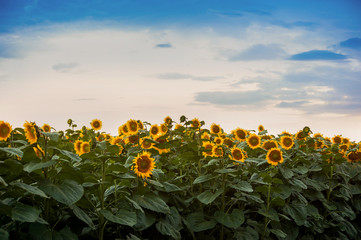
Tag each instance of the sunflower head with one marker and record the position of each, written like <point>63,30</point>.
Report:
<point>140,124</point>
<point>125,129</point>
<point>84,147</point>
<point>317,135</point>
<point>96,124</point>
<point>217,151</point>
<point>133,139</point>
<point>285,133</point>
<point>237,154</point>
<point>5,130</point>
<point>287,142</point>
<point>205,135</point>
<point>77,146</point>
<point>168,120</point>
<point>163,128</point>
<point>337,139</point>
<point>218,140</point>
<point>30,132</point>
<point>196,123</point>
<point>46,128</point>
<point>240,134</point>
<point>145,143</point>
<point>346,141</point>
<point>154,130</point>
<point>354,156</point>
<point>254,141</point>
<point>274,156</point>
<point>132,126</point>
<point>116,141</point>
<point>269,144</point>
<point>39,151</point>
<point>143,165</point>
<point>260,128</point>
<point>300,135</point>
<point>178,126</point>
<point>208,146</point>
<point>228,142</point>
<point>215,128</point>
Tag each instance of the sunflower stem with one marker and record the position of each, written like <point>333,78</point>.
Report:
<point>101,217</point>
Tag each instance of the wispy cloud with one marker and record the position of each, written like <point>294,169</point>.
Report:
<point>317,55</point>
<point>259,52</point>
<point>164,45</point>
<point>64,67</point>
<point>182,76</point>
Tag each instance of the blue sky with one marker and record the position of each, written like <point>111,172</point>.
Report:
<point>283,64</point>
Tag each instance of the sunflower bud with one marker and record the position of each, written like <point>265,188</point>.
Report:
<point>306,130</point>
<point>183,118</point>
<point>69,122</point>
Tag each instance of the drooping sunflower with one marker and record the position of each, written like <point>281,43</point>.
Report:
<point>208,146</point>
<point>96,124</point>
<point>117,141</point>
<point>354,156</point>
<point>84,147</point>
<point>215,128</point>
<point>46,127</point>
<point>146,143</point>
<point>163,128</point>
<point>5,130</point>
<point>260,128</point>
<point>337,139</point>
<point>30,132</point>
<point>161,140</point>
<point>254,141</point>
<point>168,120</point>
<point>218,140</point>
<point>143,165</point>
<point>237,154</point>
<point>217,151</point>
<point>269,144</point>
<point>132,126</point>
<point>240,134</point>
<point>154,130</point>
<point>196,123</point>
<point>205,135</point>
<point>39,151</point>
<point>287,142</point>
<point>77,146</point>
<point>140,125</point>
<point>300,135</point>
<point>274,156</point>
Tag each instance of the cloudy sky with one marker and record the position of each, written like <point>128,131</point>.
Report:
<point>238,63</point>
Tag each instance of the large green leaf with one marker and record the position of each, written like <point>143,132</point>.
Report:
<point>4,235</point>
<point>152,202</point>
<point>208,197</point>
<point>298,212</point>
<point>196,222</point>
<point>25,213</point>
<point>169,187</point>
<point>203,178</point>
<point>243,186</point>
<point>166,228</point>
<point>33,166</point>
<point>30,189</point>
<point>70,155</point>
<point>12,151</point>
<point>123,217</point>
<point>233,220</point>
<point>67,192</point>
<point>83,216</point>
<point>54,136</point>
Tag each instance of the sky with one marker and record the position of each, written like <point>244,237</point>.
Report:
<point>237,63</point>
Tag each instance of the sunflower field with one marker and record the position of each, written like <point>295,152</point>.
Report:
<point>176,181</point>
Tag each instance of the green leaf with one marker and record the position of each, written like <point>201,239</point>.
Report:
<point>247,233</point>
<point>243,186</point>
<point>70,155</point>
<point>135,204</point>
<point>25,213</point>
<point>278,233</point>
<point>298,212</point>
<point>301,170</point>
<point>152,202</point>
<point>82,216</point>
<point>33,166</point>
<point>30,189</point>
<point>233,220</point>
<point>3,181</point>
<point>129,161</point>
<point>4,235</point>
<point>166,228</point>
<point>286,172</point>
<point>12,151</point>
<point>67,192</point>
<point>225,170</point>
<point>196,222</point>
<point>54,136</point>
<point>144,221</point>
<point>169,187</point>
<point>208,197</point>
<point>123,217</point>
<point>155,183</point>
<point>203,178</point>
<point>298,183</point>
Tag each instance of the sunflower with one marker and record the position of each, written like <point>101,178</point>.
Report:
<point>205,135</point>
<point>140,125</point>
<point>287,142</point>
<point>5,130</point>
<point>337,139</point>
<point>116,141</point>
<point>240,134</point>
<point>266,137</point>
<point>254,141</point>
<point>269,144</point>
<point>208,146</point>
<point>132,126</point>
<point>96,124</point>
<point>163,128</point>
<point>178,126</point>
<point>84,147</point>
<point>343,147</point>
<point>237,154</point>
<point>145,143</point>
<point>168,120</point>
<point>121,148</point>
<point>154,130</point>
<point>143,165</point>
<point>319,144</point>
<point>120,130</point>
<point>46,128</point>
<point>300,135</point>
<point>317,135</point>
<point>228,142</point>
<point>260,128</point>
<point>274,156</point>
<point>125,129</point>
<point>285,133</point>
<point>218,140</point>
<point>217,151</point>
<point>161,140</point>
<point>196,123</point>
<point>30,132</point>
<point>77,146</point>
<point>346,141</point>
<point>354,156</point>
<point>133,139</point>
<point>39,151</point>
<point>215,128</point>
